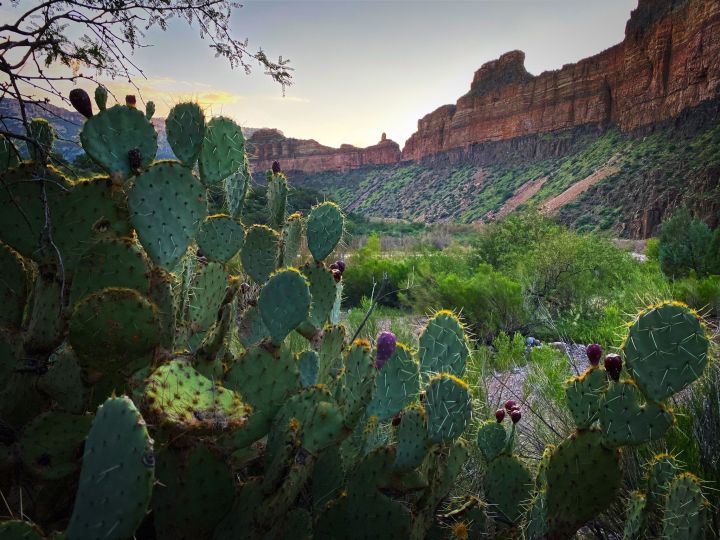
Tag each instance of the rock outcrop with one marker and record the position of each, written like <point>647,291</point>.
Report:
<point>668,61</point>
<point>268,145</point>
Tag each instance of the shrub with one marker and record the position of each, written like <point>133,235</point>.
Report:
<point>684,241</point>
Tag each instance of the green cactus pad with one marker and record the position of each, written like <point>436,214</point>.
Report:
<point>277,191</point>
<point>223,150</point>
<point>206,295</point>
<point>19,530</point>
<point>412,443</point>
<point>297,524</point>
<point>42,132</point>
<point>14,287</point>
<point>492,439</point>
<point>685,509</point>
<point>536,527</point>
<point>583,477</point>
<point>118,472</point>
<point>284,302</point>
<point>108,136</point>
<point>624,421</point>
<point>446,465</point>
<point>448,407</point>
<point>161,294</point>
<point>51,445</point>
<point>443,347</point>
<point>292,239</point>
<point>309,367</point>
<point>9,155</point>
<point>634,516</point>
<point>63,380</point>
<point>328,477</point>
<point>324,229</point>
<point>113,327</point>
<point>251,329</point>
<point>355,385</point>
<point>149,110</point>
<point>239,522</point>
<point>397,384</point>
<point>318,418</point>
<point>22,219</point>
<point>220,237</point>
<point>330,350</point>
<point>661,471</point>
<point>91,209</point>
<point>666,350</point>
<point>259,255</point>
<point>178,396</point>
<point>101,95</point>
<point>265,382</point>
<point>584,395</point>
<point>185,126</point>
<point>322,288</point>
<point>167,206</point>
<point>508,486</point>
<point>236,188</point>
<point>194,494</point>
<point>111,262</point>
<point>46,326</point>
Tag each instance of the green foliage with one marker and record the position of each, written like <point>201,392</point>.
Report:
<point>683,245</point>
<point>509,352</point>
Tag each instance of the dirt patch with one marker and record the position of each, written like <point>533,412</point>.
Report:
<point>522,194</point>
<point>570,194</point>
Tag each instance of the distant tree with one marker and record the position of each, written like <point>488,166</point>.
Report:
<point>109,32</point>
<point>712,258</point>
<point>683,245</point>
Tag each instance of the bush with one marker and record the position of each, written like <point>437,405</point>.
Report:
<point>684,241</point>
<point>702,294</point>
<point>508,352</point>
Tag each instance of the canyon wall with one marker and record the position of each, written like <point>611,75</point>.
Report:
<point>268,145</point>
<point>668,61</point>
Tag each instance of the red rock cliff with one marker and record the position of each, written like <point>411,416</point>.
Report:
<point>268,145</point>
<point>668,61</point>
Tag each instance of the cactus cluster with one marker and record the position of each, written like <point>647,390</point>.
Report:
<point>123,303</point>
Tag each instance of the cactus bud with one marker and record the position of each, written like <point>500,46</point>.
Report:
<point>80,100</point>
<point>130,101</point>
<point>510,404</point>
<point>515,416</point>
<point>385,347</point>
<point>594,353</point>
<point>613,366</point>
<point>276,167</point>
<point>500,415</point>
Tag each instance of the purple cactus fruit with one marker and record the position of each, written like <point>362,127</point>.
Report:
<point>337,274</point>
<point>500,415</point>
<point>81,101</point>
<point>515,416</point>
<point>340,265</point>
<point>594,353</point>
<point>385,348</point>
<point>130,101</point>
<point>396,420</point>
<point>613,366</point>
<point>510,404</point>
<point>276,167</point>
<point>134,158</point>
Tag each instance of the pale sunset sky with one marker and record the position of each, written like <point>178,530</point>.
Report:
<point>367,67</point>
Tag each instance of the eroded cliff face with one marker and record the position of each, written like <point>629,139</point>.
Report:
<point>268,145</point>
<point>668,61</point>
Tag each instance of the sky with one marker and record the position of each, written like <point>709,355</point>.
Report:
<point>372,66</point>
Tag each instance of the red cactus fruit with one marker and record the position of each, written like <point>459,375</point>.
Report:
<point>276,167</point>
<point>510,404</point>
<point>80,100</point>
<point>130,101</point>
<point>500,415</point>
<point>515,416</point>
<point>594,353</point>
<point>613,366</point>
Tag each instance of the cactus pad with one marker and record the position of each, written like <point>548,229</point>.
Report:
<point>309,367</point>
<point>666,350</point>
<point>251,328</point>
<point>624,421</point>
<point>661,471</point>
<point>43,135</point>
<point>584,395</point>
<point>292,239</point>
<point>206,295</point>
<point>111,262</point>
<point>223,150</point>
<point>236,188</point>
<point>9,155</point>
<point>355,385</point>
<point>178,396</point>
<point>220,237</point>
<point>113,327</point>
<point>443,347</point>
<point>108,136</point>
<point>492,440</point>
<point>330,349</point>
<point>101,95</point>
<point>685,509</point>
<point>448,408</point>
<point>508,485</point>
<point>167,206</point>
<point>259,255</point>
<point>397,384</point>
<point>583,478</point>
<point>14,287</point>
<point>322,288</point>
<point>284,303</point>
<point>185,126</point>
<point>412,438</point>
<point>63,380</point>
<point>117,475</point>
<point>277,190</point>
<point>634,516</point>
<point>51,445</point>
<point>324,229</point>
